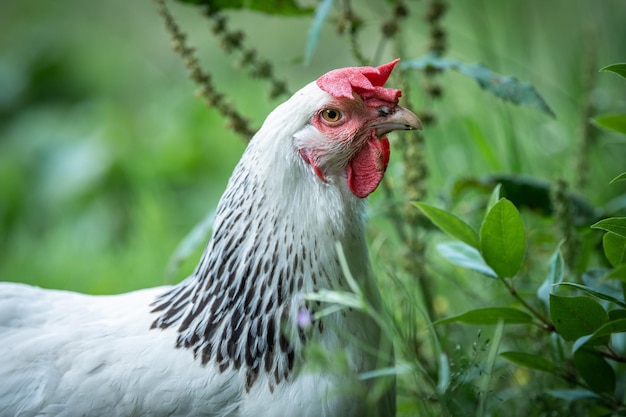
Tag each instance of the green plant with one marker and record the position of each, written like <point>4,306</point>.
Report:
<point>576,330</point>
<point>583,332</point>
<point>497,252</point>
<point>158,160</point>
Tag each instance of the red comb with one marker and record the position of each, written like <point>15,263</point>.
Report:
<point>367,82</point>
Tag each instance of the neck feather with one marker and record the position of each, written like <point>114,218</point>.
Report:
<point>273,240</point>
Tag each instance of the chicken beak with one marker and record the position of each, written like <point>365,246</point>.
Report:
<point>400,119</point>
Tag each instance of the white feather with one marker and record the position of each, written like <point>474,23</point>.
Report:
<point>68,354</point>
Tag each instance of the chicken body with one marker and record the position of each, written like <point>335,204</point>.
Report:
<point>227,341</point>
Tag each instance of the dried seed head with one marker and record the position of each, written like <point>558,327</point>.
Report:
<point>389,28</point>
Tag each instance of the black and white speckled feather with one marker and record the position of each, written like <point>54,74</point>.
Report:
<point>226,342</point>
<point>268,247</point>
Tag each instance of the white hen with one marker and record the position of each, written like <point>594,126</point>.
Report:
<point>227,341</point>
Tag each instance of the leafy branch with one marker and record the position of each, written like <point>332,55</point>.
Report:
<point>497,251</point>
<point>504,87</point>
<point>208,91</point>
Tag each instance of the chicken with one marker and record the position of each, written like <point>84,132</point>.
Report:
<point>232,339</point>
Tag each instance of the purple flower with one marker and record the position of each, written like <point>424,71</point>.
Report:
<point>304,319</point>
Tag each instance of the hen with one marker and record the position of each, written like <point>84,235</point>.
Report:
<point>232,339</point>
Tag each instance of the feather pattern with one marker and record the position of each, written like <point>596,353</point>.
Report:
<point>239,308</point>
<point>226,341</point>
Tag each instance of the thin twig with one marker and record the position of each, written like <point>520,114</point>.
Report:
<point>235,40</point>
<point>581,171</point>
<point>612,355</point>
<point>548,324</point>
<point>415,175</point>
<point>212,97</point>
<point>355,25</point>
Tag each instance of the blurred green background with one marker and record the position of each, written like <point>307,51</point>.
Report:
<point>107,160</point>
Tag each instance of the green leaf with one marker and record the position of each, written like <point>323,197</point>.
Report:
<point>616,225</point>
<point>620,177</point>
<point>277,7</point>
<point>574,317</point>
<point>556,349</point>
<point>443,374</point>
<point>400,369</point>
<point>503,239</point>
<point>465,256</point>
<point>575,394</point>
<point>602,335</point>
<point>614,122</point>
<point>506,88</point>
<point>450,224</point>
<point>598,374</point>
<point>612,327</point>
<point>486,378</point>
<point>617,314</point>
<point>614,248</point>
<point>555,276</point>
<point>594,293</point>
<point>491,315</point>
<point>618,273</point>
<point>619,69</point>
<point>600,410</point>
<point>482,144</point>
<point>494,197</point>
<point>528,360</point>
<point>533,194</point>
<point>321,14</point>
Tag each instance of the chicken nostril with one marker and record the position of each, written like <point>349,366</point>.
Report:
<point>383,111</point>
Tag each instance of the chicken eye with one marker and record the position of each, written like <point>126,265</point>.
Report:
<point>331,115</point>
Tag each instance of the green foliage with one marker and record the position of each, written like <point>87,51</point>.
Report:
<point>528,193</point>
<point>504,87</point>
<point>594,293</point>
<point>450,224</point>
<point>491,315</point>
<point>600,336</point>
<point>614,122</point>
<point>614,248</point>
<point>556,273</point>
<point>580,320</point>
<point>616,225</point>
<point>620,177</point>
<point>494,198</point>
<point>595,371</point>
<point>321,14</point>
<point>574,317</point>
<point>277,7</point>
<point>107,161</point>
<point>619,69</point>
<point>463,255</point>
<point>530,361</point>
<point>502,239</point>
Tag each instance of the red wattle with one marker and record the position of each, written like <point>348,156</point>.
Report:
<point>368,166</point>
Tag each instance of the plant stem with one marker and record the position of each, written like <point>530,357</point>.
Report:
<point>548,324</point>
<point>394,215</point>
<point>612,355</point>
<point>581,172</point>
<point>208,91</point>
<point>354,27</point>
